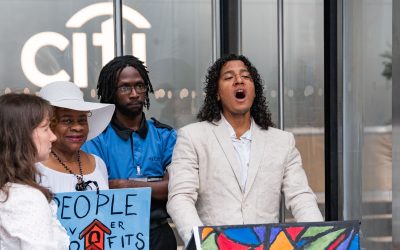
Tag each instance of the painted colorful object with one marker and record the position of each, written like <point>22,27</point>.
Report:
<point>341,235</point>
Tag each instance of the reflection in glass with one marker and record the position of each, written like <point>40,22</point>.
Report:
<point>303,73</point>
<point>178,51</point>
<point>304,86</point>
<point>367,119</point>
<point>70,47</point>
<point>260,45</point>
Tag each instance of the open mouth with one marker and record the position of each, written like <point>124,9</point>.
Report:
<point>240,94</point>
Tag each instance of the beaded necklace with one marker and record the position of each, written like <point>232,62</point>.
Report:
<point>80,185</point>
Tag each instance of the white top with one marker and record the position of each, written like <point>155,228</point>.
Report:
<point>64,182</point>
<point>242,149</point>
<point>28,221</point>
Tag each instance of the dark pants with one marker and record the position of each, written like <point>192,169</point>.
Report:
<point>162,238</point>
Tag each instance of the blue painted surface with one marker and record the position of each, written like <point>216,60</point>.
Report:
<point>355,243</point>
<point>124,213</point>
<point>260,231</point>
<point>242,235</point>
<point>345,244</point>
<point>274,233</point>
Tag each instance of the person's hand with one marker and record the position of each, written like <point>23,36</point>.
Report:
<point>119,183</point>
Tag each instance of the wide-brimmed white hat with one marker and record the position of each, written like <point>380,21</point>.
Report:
<point>68,95</point>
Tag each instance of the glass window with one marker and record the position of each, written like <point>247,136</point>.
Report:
<point>172,37</point>
<point>260,45</point>
<point>177,47</point>
<point>303,73</point>
<point>304,85</point>
<point>45,41</point>
<point>367,119</point>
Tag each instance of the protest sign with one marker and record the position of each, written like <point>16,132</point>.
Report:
<point>107,219</point>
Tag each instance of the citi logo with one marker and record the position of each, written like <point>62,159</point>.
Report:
<point>79,43</point>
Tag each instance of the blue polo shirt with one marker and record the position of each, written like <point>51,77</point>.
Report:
<point>134,154</point>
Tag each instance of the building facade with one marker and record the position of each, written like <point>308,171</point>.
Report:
<point>326,66</point>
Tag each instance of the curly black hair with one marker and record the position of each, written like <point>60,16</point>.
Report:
<point>212,107</point>
<point>107,83</point>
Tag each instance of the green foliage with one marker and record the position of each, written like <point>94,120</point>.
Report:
<point>387,70</point>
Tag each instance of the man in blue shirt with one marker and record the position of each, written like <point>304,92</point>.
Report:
<point>135,150</point>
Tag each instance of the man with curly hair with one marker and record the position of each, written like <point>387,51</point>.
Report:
<point>231,167</point>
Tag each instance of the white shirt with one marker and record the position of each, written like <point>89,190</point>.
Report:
<point>65,182</point>
<point>242,148</point>
<point>28,221</point>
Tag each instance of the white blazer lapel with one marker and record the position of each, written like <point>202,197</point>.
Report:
<point>257,151</point>
<point>225,142</point>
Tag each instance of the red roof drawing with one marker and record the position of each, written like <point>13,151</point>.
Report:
<point>94,223</point>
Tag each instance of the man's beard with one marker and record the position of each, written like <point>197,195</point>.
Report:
<point>127,111</point>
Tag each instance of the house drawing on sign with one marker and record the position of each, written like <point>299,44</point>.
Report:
<point>94,235</point>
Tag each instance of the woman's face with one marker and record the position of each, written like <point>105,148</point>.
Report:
<point>42,138</point>
<point>71,128</point>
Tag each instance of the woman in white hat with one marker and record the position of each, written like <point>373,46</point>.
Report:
<point>74,121</point>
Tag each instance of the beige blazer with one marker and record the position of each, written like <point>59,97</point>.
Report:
<point>204,179</point>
